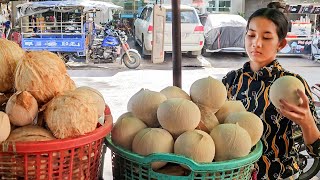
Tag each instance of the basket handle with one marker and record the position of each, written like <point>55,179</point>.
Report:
<point>194,166</point>
<point>107,118</point>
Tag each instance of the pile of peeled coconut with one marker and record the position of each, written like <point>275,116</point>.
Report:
<point>203,126</point>
<point>38,99</point>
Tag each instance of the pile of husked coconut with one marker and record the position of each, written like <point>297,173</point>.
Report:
<point>203,126</point>
<point>38,99</point>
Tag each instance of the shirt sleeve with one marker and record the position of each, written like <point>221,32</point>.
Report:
<point>314,148</point>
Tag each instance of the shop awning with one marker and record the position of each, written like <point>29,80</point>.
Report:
<point>31,8</point>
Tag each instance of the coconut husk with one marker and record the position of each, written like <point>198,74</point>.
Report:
<point>95,96</point>
<point>10,54</point>
<point>43,74</point>
<point>30,133</point>
<point>71,115</point>
<point>4,97</point>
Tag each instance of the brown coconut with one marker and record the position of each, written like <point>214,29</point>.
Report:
<point>208,119</point>
<point>4,126</point>
<point>228,108</point>
<point>71,115</point>
<point>30,133</point>
<point>96,96</point>
<point>43,74</point>
<point>22,108</point>
<point>175,92</point>
<point>10,54</point>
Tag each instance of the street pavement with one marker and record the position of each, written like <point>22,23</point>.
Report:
<point>118,83</point>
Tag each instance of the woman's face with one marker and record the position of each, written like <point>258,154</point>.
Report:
<point>261,41</point>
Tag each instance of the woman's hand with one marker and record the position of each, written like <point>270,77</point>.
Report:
<point>302,116</point>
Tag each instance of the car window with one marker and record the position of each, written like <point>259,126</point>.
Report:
<point>143,13</point>
<point>148,14</point>
<point>187,16</point>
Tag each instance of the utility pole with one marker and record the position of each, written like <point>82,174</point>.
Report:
<point>176,42</point>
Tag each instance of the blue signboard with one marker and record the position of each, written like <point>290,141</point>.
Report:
<point>57,44</point>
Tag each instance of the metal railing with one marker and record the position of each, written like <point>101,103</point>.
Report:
<point>56,29</point>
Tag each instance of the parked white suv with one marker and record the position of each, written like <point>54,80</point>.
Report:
<point>192,37</point>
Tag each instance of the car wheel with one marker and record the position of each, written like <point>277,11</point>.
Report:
<point>205,53</point>
<point>135,38</point>
<point>190,55</point>
<point>145,53</point>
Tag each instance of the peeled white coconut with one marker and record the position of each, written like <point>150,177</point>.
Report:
<point>196,145</point>
<point>22,108</point>
<point>231,142</point>
<point>144,105</point>
<point>153,140</point>
<point>228,108</point>
<point>208,119</point>
<point>209,92</point>
<point>248,121</point>
<point>4,126</point>
<point>286,88</point>
<point>175,92</point>
<point>125,129</point>
<point>178,115</point>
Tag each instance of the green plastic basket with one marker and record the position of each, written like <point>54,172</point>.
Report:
<point>129,165</point>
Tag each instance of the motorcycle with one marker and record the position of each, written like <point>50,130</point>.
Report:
<point>113,44</point>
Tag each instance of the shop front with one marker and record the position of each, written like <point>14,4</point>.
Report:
<point>303,35</point>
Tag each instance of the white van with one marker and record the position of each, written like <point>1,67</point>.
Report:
<point>192,37</point>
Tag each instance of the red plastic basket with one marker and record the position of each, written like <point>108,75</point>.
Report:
<point>73,158</point>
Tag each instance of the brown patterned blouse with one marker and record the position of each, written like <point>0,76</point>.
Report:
<point>252,88</point>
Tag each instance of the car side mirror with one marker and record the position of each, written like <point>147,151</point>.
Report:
<point>135,15</point>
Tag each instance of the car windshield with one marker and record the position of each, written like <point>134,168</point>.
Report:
<point>187,16</point>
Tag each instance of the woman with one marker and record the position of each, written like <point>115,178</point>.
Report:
<point>266,32</point>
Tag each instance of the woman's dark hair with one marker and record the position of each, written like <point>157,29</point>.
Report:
<point>275,5</point>
<point>274,15</point>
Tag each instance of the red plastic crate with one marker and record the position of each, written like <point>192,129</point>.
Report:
<point>72,158</point>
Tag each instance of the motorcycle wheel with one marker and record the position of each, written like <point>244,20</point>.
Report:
<point>64,56</point>
<point>135,60</point>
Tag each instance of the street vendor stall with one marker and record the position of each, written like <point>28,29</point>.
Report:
<point>58,26</point>
<point>303,23</point>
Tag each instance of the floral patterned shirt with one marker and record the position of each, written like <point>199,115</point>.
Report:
<point>279,157</point>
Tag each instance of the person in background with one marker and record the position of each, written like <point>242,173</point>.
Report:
<point>265,36</point>
<point>90,31</point>
<point>7,27</point>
